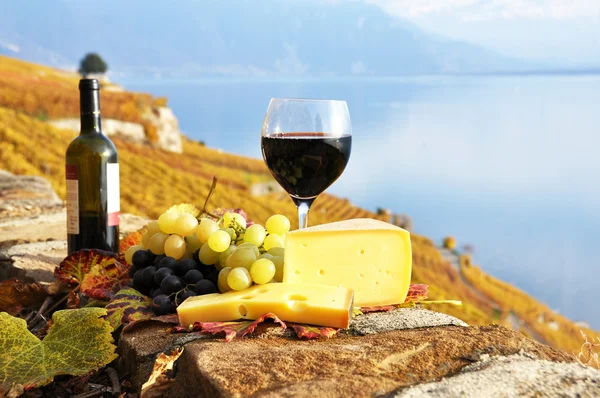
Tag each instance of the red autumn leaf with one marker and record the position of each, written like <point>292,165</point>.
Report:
<point>131,239</point>
<point>169,319</point>
<point>16,295</point>
<point>417,292</point>
<point>127,306</point>
<point>105,279</point>
<point>231,329</point>
<point>380,308</point>
<point>73,268</point>
<point>308,332</point>
<point>73,300</point>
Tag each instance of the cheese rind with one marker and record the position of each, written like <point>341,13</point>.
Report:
<point>317,305</point>
<point>371,257</point>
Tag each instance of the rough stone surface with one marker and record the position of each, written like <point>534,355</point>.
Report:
<point>32,261</point>
<point>169,136</point>
<point>518,375</point>
<point>20,195</point>
<point>131,131</point>
<point>346,365</point>
<point>402,318</point>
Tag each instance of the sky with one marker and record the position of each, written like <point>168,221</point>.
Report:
<point>561,31</point>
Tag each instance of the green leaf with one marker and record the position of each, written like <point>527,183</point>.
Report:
<point>78,342</point>
<point>127,306</point>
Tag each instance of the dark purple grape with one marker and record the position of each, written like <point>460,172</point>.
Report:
<point>141,259</point>
<point>180,298</point>
<point>137,279</point>
<point>156,292</point>
<point>205,287</point>
<point>162,305</point>
<point>157,260</point>
<point>171,284</point>
<point>148,276</point>
<point>132,270</point>
<point>167,262</point>
<point>196,257</point>
<point>161,274</point>
<point>212,275</point>
<point>184,266</point>
<point>193,276</point>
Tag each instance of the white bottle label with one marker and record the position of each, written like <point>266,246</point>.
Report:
<point>113,194</point>
<point>72,200</point>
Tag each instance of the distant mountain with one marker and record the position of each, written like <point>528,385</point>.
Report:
<point>244,38</point>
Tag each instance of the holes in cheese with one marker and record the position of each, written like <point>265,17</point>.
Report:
<point>371,257</point>
<point>313,304</point>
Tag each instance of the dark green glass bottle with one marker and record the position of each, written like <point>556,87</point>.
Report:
<point>92,172</point>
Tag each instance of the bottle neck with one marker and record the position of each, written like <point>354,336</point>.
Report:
<point>89,104</point>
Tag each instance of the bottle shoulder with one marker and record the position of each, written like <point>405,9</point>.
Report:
<point>96,143</point>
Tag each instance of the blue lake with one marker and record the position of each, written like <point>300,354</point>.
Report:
<point>510,165</point>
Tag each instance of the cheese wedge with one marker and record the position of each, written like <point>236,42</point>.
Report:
<point>316,305</point>
<point>371,257</point>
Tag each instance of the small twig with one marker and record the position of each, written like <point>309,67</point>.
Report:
<point>40,312</point>
<point>114,379</point>
<point>94,393</point>
<point>30,316</point>
<point>62,300</point>
<point>210,192</point>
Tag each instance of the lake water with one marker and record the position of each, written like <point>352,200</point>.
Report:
<point>510,165</point>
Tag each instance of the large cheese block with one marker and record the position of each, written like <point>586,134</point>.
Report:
<point>316,305</point>
<point>369,256</point>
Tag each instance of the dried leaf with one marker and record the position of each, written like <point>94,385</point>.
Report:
<point>161,377</point>
<point>127,306</point>
<point>184,208</point>
<point>131,239</point>
<point>73,268</point>
<point>417,292</point>
<point>231,329</point>
<point>73,300</point>
<point>380,308</point>
<point>78,342</point>
<point>16,295</point>
<point>308,332</point>
<point>105,279</point>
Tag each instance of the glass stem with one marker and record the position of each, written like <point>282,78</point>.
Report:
<point>303,207</point>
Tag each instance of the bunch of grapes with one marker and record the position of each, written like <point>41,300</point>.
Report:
<point>181,256</point>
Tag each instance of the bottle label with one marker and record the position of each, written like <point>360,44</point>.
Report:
<point>113,195</point>
<point>72,200</point>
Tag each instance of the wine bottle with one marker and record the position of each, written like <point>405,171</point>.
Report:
<point>92,172</point>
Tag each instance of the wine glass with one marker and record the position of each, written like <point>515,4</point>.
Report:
<point>306,145</point>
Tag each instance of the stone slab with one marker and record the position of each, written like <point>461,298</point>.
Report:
<point>400,319</point>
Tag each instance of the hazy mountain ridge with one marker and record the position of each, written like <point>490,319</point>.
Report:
<point>275,39</point>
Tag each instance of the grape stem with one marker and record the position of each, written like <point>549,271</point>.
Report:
<point>210,192</point>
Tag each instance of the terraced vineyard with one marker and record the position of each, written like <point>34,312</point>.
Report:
<point>153,179</point>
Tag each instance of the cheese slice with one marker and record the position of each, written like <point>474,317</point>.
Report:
<point>371,257</point>
<point>316,305</point>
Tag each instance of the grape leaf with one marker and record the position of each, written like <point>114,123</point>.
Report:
<point>184,208</point>
<point>416,293</point>
<point>16,295</point>
<point>127,306</point>
<point>231,329</point>
<point>131,239</point>
<point>312,332</point>
<point>73,268</point>
<point>104,279</point>
<point>78,342</point>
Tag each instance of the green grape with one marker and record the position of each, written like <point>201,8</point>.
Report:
<point>222,281</point>
<point>231,232</point>
<point>255,234</point>
<point>207,255</point>
<point>156,244</point>
<point>278,261</point>
<point>228,261</point>
<point>129,253</point>
<point>262,271</point>
<point>278,224</point>
<point>205,228</point>
<point>153,228</point>
<point>145,239</point>
<point>239,278</point>
<point>266,255</point>
<point>193,243</point>
<point>230,218</point>
<point>252,247</point>
<point>219,241</point>
<point>175,247</point>
<point>185,224</point>
<point>227,219</point>
<point>239,219</point>
<point>272,241</point>
<point>166,222</point>
<point>223,256</point>
<point>242,257</point>
<point>276,251</point>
